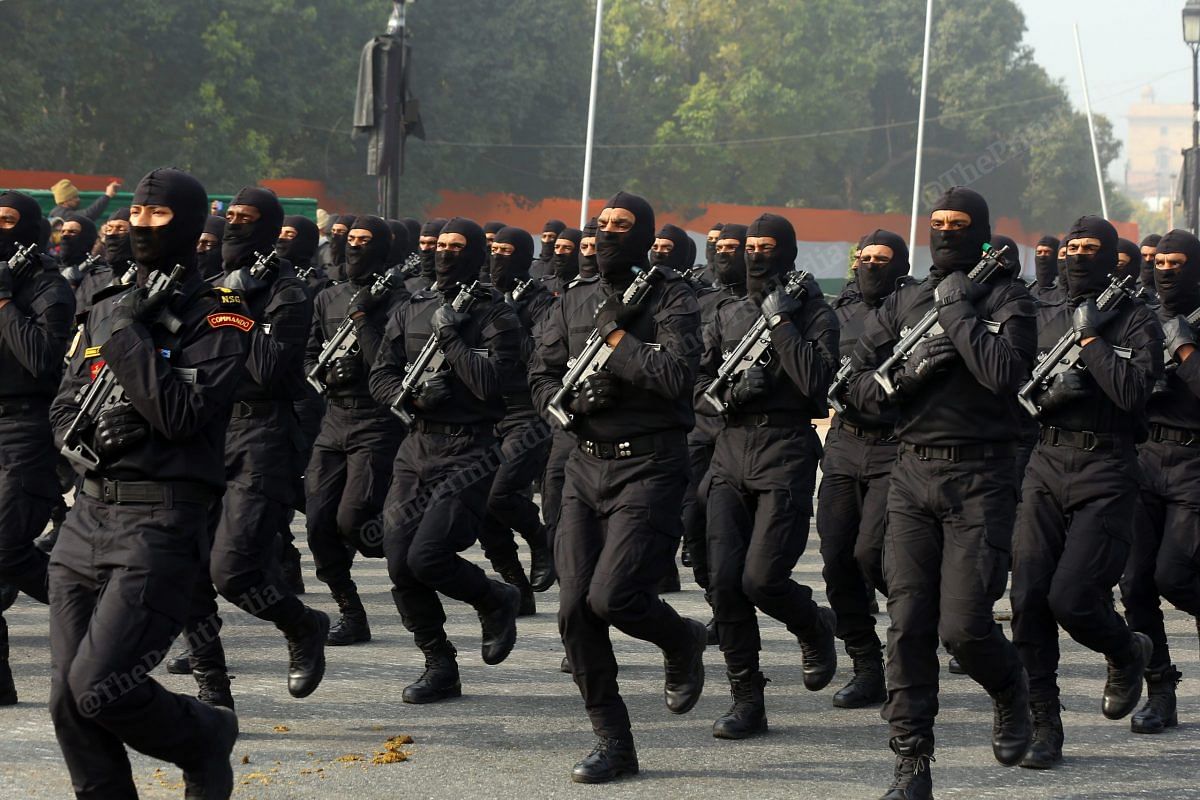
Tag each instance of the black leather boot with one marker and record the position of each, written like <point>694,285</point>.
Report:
<point>867,687</point>
<point>1124,686</point>
<point>499,622</point>
<point>911,779</point>
<point>1159,713</point>
<point>212,777</point>
<point>1046,748</point>
<point>955,668</point>
<point>685,671</point>
<point>440,679</point>
<point>180,664</point>
<point>214,688</point>
<point>748,715</point>
<point>609,760</point>
<point>306,652</point>
<point>352,626</point>
<point>818,649</point>
<point>541,561</point>
<point>8,689</point>
<point>565,665</point>
<point>513,575</point>
<point>711,632</point>
<point>1012,725</point>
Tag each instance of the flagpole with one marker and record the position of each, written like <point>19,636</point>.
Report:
<point>1087,104</point>
<point>591,120</point>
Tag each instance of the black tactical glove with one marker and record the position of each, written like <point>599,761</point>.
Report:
<point>779,307</point>
<point>598,392</point>
<point>956,296</point>
<point>119,430</point>
<point>344,371</point>
<point>929,357</point>
<point>751,384</point>
<point>137,305</point>
<point>245,284</point>
<point>446,321</point>
<point>6,281</point>
<point>1065,389</point>
<point>615,315</point>
<point>1178,333</point>
<point>1088,320</point>
<point>364,302</point>
<point>434,391</point>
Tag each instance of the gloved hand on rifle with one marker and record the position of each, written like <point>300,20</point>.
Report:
<point>7,284</point>
<point>1065,389</point>
<point>363,303</point>
<point>614,315</point>
<point>433,392</point>
<point>598,392</point>
<point>956,296</point>
<point>751,384</point>
<point>344,371</point>
<point>446,322</point>
<point>138,305</point>
<point>779,307</point>
<point>245,284</point>
<point>1178,333</point>
<point>929,357</point>
<point>119,430</point>
<point>1088,320</point>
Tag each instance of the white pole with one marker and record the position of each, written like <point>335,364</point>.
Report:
<point>1087,104</point>
<point>916,197</point>
<point>591,121</point>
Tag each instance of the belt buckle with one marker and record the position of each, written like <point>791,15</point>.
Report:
<point>1090,441</point>
<point>921,452</point>
<point>624,450</point>
<point>588,447</point>
<point>108,490</point>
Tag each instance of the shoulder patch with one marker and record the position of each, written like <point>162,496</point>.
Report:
<point>227,296</point>
<point>224,319</point>
<point>91,352</point>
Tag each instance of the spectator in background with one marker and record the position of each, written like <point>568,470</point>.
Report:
<point>324,258</point>
<point>66,199</point>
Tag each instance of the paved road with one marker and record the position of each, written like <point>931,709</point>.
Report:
<point>520,726</point>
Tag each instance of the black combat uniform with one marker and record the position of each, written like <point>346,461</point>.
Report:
<point>1047,288</point>
<point>1147,289</point>
<point>564,267</point>
<point>428,254</point>
<point>543,264</point>
<point>138,532</point>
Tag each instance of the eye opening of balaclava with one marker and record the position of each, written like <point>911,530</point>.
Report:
<point>164,246</point>
<point>678,257</point>
<point>587,264</point>
<point>75,249</point>
<point>27,231</point>
<point>300,249</point>
<point>1179,290</point>
<point>1133,266</point>
<point>1089,275</point>
<point>730,268</point>
<point>506,270</point>
<point>764,271</point>
<point>245,241</point>
<point>1046,267</point>
<point>432,227</point>
<point>556,227</point>
<point>399,250</point>
<point>460,267</point>
<point>1146,271</point>
<point>877,281</point>
<point>565,266</point>
<point>364,261</point>
<point>959,251</point>
<point>619,252</point>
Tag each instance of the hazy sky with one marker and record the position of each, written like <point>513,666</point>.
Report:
<point>1127,45</point>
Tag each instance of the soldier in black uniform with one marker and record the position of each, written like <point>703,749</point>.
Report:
<point>79,236</point>
<point>347,476</point>
<point>298,241</point>
<point>860,450</point>
<point>118,253</point>
<point>1146,284</point>
<point>587,251</point>
<point>427,249</point>
<point>138,530</point>
<point>625,479</point>
<point>263,440</point>
<point>550,233</point>
<point>208,248</point>
<point>445,466</point>
<point>952,498</point>
<point>36,322</point>
<point>1080,493</point>
<point>564,264</point>
<point>1045,265</point>
<point>338,231</point>
<point>763,471</point>
<point>524,438</point>
<point>1164,560</point>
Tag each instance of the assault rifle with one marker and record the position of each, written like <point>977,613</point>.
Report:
<point>24,263</point>
<point>839,382</point>
<point>521,288</point>
<point>344,341</point>
<point>1169,362</point>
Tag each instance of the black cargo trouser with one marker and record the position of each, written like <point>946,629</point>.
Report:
<point>346,483</point>
<point>561,445</point>
<point>1070,548</point>
<point>29,491</point>
<point>115,608</point>
<point>851,517</point>
<point>695,509</point>
<point>1165,558</point>
<point>946,553</point>
<point>616,536</point>
<point>524,447</point>
<point>759,508</point>
<point>433,511</point>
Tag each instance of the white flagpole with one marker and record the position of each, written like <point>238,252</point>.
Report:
<point>1087,104</point>
<point>916,197</point>
<point>591,121</point>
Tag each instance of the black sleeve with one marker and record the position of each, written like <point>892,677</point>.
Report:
<point>276,359</point>
<point>879,337</point>
<point>809,357</point>
<point>710,362</point>
<point>670,369</point>
<point>550,355</point>
<point>316,333</point>
<point>1128,381</point>
<point>39,340</point>
<point>387,372</point>
<point>1000,362</point>
<point>482,373</point>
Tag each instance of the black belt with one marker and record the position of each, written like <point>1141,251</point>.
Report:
<point>149,492</point>
<point>1180,436</point>
<point>768,420</point>
<point>245,409</point>
<point>960,452</point>
<point>630,448</point>
<point>877,434</point>
<point>1083,440</point>
<point>353,402</point>
<point>449,429</point>
<point>16,408</point>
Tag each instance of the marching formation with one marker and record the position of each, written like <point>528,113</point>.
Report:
<point>189,383</point>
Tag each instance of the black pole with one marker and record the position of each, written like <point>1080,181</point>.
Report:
<point>396,163</point>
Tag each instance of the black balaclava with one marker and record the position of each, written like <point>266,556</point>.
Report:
<point>764,272</point>
<point>461,267</point>
<point>677,259</point>
<point>245,241</point>
<point>1062,262</point>
<point>364,261</point>
<point>1046,267</point>
<point>875,282</point>
<point>432,227</point>
<point>1179,290</point>
<point>300,250</point>
<point>492,227</point>
<point>1133,268</point>
<point>618,253</point>
<point>506,270</point>
<point>1146,271</point>
<point>209,262</point>
<point>730,268</point>
<point>565,267</point>
<point>162,247</point>
<point>959,251</point>
<point>75,249</point>
<point>1012,259</point>
<point>117,250</point>
<point>1089,275</point>
<point>587,264</point>
<point>337,241</point>
<point>28,227</point>
<point>710,248</point>
<point>413,230</point>
<point>399,250</point>
<point>554,226</point>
